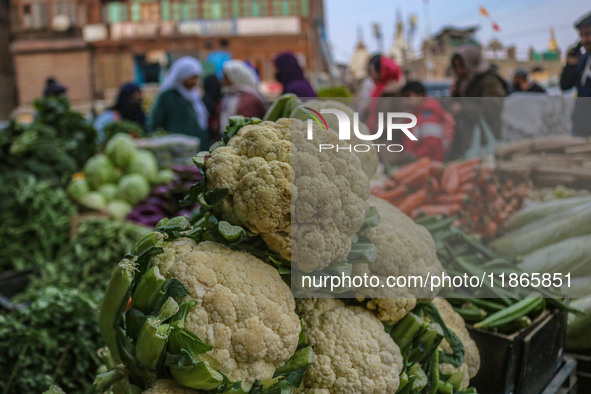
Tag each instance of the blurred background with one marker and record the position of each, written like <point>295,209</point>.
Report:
<point>94,46</point>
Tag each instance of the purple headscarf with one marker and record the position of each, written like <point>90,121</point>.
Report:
<point>291,76</point>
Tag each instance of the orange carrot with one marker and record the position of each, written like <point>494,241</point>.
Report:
<point>433,185</point>
<point>467,175</point>
<point>417,178</point>
<point>410,168</point>
<point>390,183</point>
<point>470,163</point>
<point>467,187</point>
<point>443,209</point>
<point>413,201</point>
<point>451,179</point>
<point>458,198</point>
<point>379,191</point>
<point>396,201</point>
<point>394,193</point>
<point>435,169</point>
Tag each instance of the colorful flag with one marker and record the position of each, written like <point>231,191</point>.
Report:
<point>483,11</point>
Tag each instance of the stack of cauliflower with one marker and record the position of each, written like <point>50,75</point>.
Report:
<point>234,325</point>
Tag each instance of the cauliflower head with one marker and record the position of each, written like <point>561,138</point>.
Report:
<point>244,310</point>
<point>353,353</point>
<point>305,204</point>
<point>369,159</point>
<point>165,386</point>
<point>455,323</point>
<point>404,248</point>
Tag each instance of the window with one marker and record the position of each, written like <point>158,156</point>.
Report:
<point>34,14</point>
<point>136,11</point>
<point>293,7</point>
<point>165,10</point>
<point>305,8</point>
<point>67,7</point>
<point>192,9</point>
<point>235,8</point>
<point>179,11</point>
<point>216,9</point>
<point>150,12</point>
<point>280,7</point>
<point>255,8</point>
<point>117,12</point>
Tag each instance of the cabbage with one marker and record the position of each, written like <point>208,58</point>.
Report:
<point>165,176</point>
<point>121,150</point>
<point>94,200</point>
<point>118,209</point>
<point>78,188</point>
<point>108,190</point>
<point>144,164</point>
<point>133,188</point>
<point>99,170</point>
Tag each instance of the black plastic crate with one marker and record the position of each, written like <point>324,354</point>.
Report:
<point>583,371</point>
<point>523,362</point>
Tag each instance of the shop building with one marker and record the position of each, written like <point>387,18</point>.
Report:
<point>94,46</point>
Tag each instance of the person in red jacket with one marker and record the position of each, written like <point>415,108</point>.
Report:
<point>431,121</point>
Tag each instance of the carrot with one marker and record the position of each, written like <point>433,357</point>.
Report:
<point>457,198</point>
<point>379,191</point>
<point>467,187</point>
<point>435,169</point>
<point>396,201</point>
<point>450,180</point>
<point>470,163</point>
<point>410,168</point>
<point>128,304</point>
<point>413,201</point>
<point>443,209</point>
<point>467,175</point>
<point>417,178</point>
<point>433,185</point>
<point>394,193</point>
<point>390,183</point>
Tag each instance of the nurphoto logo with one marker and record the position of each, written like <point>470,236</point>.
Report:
<point>394,121</point>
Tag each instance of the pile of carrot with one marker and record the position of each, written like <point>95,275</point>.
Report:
<point>466,190</point>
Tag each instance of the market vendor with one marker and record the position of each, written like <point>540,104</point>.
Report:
<point>577,73</point>
<point>179,108</point>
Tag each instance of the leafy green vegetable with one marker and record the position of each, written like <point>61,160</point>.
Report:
<point>35,218</point>
<point>51,341</point>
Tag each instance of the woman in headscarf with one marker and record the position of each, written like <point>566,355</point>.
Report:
<point>240,95</point>
<point>128,106</point>
<point>474,77</point>
<point>291,76</point>
<point>388,79</point>
<point>179,108</point>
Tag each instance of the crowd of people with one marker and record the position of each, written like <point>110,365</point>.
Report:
<point>191,103</point>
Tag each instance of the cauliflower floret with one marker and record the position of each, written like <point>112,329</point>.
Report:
<point>353,353</point>
<point>369,159</point>
<point>455,323</point>
<point>244,310</point>
<point>305,204</point>
<point>165,386</point>
<point>403,249</point>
